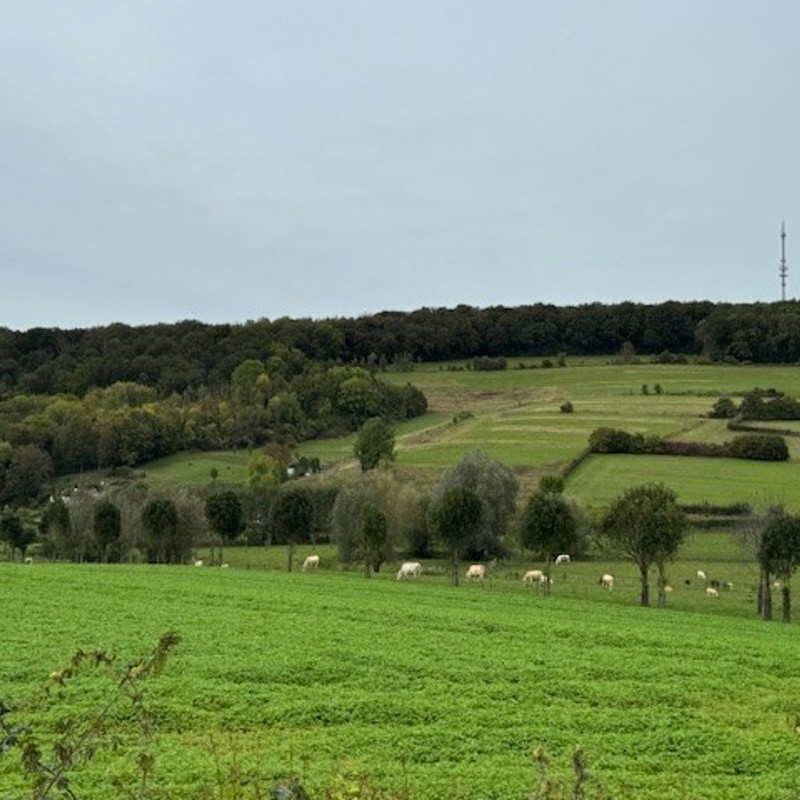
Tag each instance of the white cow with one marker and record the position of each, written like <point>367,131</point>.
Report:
<point>712,592</point>
<point>310,564</point>
<point>701,576</point>
<point>607,582</point>
<point>199,562</point>
<point>533,576</point>
<point>476,571</point>
<point>563,559</point>
<point>409,569</point>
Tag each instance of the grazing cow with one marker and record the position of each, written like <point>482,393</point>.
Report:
<point>607,582</point>
<point>712,592</point>
<point>563,559</point>
<point>310,564</point>
<point>701,576</point>
<point>409,569</point>
<point>224,566</point>
<point>668,589</point>
<point>199,562</point>
<point>29,559</point>
<point>476,571</point>
<point>727,586</point>
<point>533,576</point>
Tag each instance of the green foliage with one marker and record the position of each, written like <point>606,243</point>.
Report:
<point>759,447</point>
<point>83,734</point>
<point>567,407</point>
<point>488,364</point>
<point>548,526</point>
<point>724,408</point>
<point>291,518</point>
<point>458,517</point>
<point>496,487</point>
<point>107,527</point>
<point>646,525</point>
<point>225,515</point>
<point>374,443</point>
<point>164,542</point>
<point>15,532</point>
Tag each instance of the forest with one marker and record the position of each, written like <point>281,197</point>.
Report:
<point>189,354</point>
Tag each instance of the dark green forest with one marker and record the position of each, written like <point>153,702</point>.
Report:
<point>188,355</point>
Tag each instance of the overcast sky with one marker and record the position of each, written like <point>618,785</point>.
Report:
<point>184,159</point>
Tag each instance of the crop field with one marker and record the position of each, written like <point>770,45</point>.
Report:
<point>434,692</point>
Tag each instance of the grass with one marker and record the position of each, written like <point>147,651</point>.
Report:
<point>436,693</point>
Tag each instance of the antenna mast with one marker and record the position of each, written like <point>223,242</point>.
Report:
<point>783,271</point>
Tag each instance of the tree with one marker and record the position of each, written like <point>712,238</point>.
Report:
<point>647,525</point>
<point>15,532</point>
<point>29,467</point>
<point>779,558</point>
<point>458,519</point>
<point>225,515</point>
<point>496,488</point>
<point>160,519</point>
<point>374,443</point>
<point>292,517</point>
<point>549,526</point>
<point>374,538</point>
<point>107,527</point>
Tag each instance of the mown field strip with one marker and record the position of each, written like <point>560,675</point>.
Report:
<point>445,691</point>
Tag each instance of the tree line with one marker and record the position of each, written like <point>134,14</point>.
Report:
<point>189,354</point>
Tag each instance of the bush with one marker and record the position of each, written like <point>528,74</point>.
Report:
<point>724,408</point>
<point>665,357</point>
<point>758,448</point>
<point>487,363</point>
<point>567,407</point>
<point>614,440</point>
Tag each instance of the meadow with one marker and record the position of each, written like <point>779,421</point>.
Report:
<point>433,692</point>
<point>514,416</point>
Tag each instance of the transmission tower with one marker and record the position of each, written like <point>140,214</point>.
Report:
<point>783,271</point>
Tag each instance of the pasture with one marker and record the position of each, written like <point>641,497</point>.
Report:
<point>436,693</point>
<point>514,416</point>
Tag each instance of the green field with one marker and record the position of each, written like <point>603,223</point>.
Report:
<point>434,692</point>
<point>514,417</point>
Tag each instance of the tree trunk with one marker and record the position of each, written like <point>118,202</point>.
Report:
<point>644,598</point>
<point>291,557</point>
<point>786,605</point>
<point>766,598</point>
<point>455,569</point>
<point>662,585</point>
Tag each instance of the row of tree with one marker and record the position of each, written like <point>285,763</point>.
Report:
<point>191,354</point>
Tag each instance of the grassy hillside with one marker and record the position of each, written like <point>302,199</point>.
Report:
<point>515,417</point>
<point>433,692</point>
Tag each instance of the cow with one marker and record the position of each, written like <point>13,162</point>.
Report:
<point>563,559</point>
<point>712,592</point>
<point>476,571</point>
<point>533,576</point>
<point>409,569</point>
<point>310,564</point>
<point>607,582</point>
<point>199,562</point>
<point>701,576</point>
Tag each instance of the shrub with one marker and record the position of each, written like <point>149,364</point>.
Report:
<point>487,363</point>
<point>567,407</point>
<point>614,440</point>
<point>724,408</point>
<point>758,448</point>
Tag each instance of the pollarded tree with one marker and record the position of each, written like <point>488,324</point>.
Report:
<point>225,516</point>
<point>647,525</point>
<point>496,488</point>
<point>292,518</point>
<point>549,525</point>
<point>374,443</point>
<point>160,519</point>
<point>107,527</point>
<point>779,558</point>
<point>458,519</point>
<point>374,538</point>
